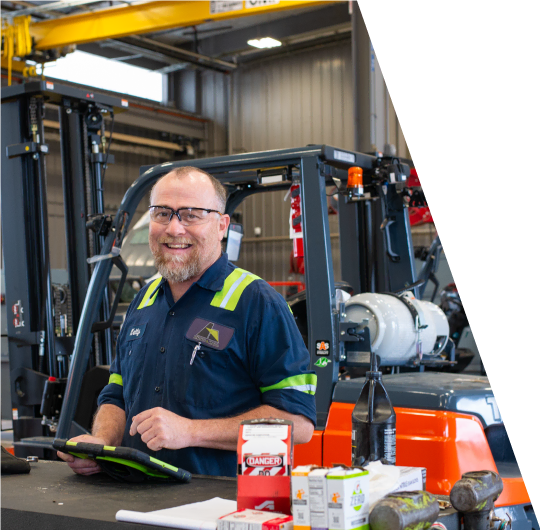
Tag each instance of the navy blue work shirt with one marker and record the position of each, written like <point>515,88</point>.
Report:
<point>249,353</point>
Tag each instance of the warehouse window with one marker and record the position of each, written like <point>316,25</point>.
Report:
<point>98,72</point>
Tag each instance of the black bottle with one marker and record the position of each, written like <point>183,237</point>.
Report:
<point>373,422</point>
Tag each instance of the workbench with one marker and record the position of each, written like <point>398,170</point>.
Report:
<point>52,497</point>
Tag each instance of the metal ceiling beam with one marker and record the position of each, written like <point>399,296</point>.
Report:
<point>145,18</point>
<point>48,8</point>
<point>192,57</point>
<point>229,43</point>
<point>134,49</point>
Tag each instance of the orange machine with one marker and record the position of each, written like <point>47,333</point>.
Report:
<point>445,441</point>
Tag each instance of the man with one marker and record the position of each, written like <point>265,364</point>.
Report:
<point>202,348</point>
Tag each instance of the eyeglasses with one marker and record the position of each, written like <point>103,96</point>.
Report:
<point>187,216</point>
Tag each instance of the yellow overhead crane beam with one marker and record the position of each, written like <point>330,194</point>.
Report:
<point>149,17</point>
<point>16,42</point>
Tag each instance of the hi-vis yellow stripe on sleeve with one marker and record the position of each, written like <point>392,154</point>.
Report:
<point>303,383</point>
<point>233,288</point>
<point>116,379</point>
<point>151,294</point>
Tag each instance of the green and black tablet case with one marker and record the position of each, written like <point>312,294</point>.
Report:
<point>124,463</point>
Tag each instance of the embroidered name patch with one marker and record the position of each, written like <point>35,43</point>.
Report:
<point>210,333</point>
<point>135,332</point>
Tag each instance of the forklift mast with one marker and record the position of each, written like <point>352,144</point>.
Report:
<point>43,317</point>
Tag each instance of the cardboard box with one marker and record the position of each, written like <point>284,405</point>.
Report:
<point>264,465</point>
<point>300,497</point>
<point>411,479</point>
<point>318,498</point>
<point>348,499</point>
<point>385,479</point>
<point>255,520</point>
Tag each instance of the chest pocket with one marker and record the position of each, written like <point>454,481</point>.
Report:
<point>132,369</point>
<point>204,383</point>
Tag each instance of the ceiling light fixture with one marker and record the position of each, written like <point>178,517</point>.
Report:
<point>266,42</point>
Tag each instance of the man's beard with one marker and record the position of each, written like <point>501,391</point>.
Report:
<point>176,268</point>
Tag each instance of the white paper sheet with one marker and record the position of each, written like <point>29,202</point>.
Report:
<point>196,516</point>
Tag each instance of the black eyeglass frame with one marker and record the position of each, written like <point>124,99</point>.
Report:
<point>177,212</point>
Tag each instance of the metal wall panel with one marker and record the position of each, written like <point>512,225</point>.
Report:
<point>294,101</point>
<point>214,106</point>
<point>304,98</point>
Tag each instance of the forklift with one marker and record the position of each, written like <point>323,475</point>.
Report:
<point>448,423</point>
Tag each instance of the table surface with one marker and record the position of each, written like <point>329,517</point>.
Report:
<point>54,492</point>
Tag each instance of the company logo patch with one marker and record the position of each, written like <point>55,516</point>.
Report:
<point>323,347</point>
<point>210,333</point>
<point>136,332</point>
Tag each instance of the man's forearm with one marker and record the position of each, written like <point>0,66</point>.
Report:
<point>109,424</point>
<point>223,433</point>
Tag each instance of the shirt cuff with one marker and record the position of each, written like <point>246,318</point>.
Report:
<point>292,401</point>
<point>112,394</point>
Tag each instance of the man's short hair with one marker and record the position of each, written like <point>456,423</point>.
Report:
<point>221,191</point>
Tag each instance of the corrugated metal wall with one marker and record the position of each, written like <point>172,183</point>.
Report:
<point>305,98</point>
<point>294,101</point>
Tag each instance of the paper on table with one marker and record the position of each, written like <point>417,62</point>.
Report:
<point>196,516</point>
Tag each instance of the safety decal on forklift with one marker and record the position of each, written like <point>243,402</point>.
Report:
<point>224,7</point>
<point>260,3</point>
<point>322,362</point>
<point>323,347</point>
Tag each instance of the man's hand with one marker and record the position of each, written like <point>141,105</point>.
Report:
<point>162,429</point>
<point>83,466</point>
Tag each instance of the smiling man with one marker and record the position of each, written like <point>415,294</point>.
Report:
<point>203,347</point>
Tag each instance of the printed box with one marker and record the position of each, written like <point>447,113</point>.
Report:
<point>348,499</point>
<point>318,503</point>
<point>300,497</point>
<point>255,520</point>
<point>264,465</point>
<point>411,479</point>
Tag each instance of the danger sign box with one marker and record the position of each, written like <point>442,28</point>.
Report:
<point>264,465</point>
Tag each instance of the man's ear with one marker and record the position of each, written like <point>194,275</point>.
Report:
<point>224,222</point>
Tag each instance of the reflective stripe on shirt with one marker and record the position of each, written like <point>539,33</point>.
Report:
<point>233,288</point>
<point>116,379</point>
<point>151,294</point>
<point>304,383</point>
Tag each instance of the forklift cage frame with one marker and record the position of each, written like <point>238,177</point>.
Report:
<point>314,168</point>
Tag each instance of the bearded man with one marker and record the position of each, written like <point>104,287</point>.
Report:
<point>202,348</point>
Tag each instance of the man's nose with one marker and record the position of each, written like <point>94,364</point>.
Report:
<point>175,227</point>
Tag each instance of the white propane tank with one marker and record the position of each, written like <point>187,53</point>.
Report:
<point>392,328</point>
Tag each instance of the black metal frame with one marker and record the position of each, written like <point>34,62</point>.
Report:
<point>35,350</point>
<point>316,167</point>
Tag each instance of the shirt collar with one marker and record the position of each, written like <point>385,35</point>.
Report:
<point>214,277</point>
